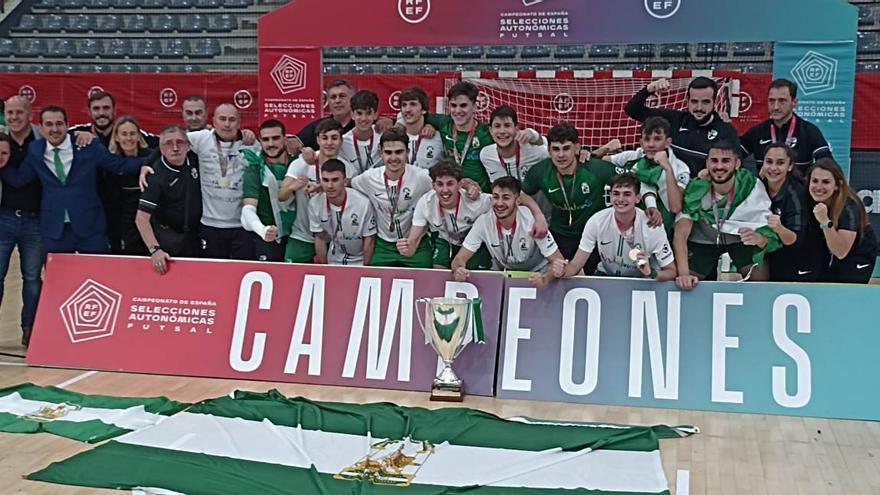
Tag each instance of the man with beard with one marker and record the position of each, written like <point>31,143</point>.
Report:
<point>424,151</point>
<point>102,112</point>
<point>802,136</point>
<point>262,212</point>
<point>693,131</point>
<point>505,231</point>
<point>195,113</point>
<point>726,214</point>
<point>20,215</point>
<point>342,220</point>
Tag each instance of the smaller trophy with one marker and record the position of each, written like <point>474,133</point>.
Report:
<point>447,327</point>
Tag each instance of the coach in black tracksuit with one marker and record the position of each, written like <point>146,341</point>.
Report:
<point>692,131</point>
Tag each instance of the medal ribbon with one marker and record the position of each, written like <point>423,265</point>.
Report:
<point>393,199</point>
<point>507,167</point>
<point>467,144</point>
<point>357,153</point>
<point>791,127</point>
<point>506,240</point>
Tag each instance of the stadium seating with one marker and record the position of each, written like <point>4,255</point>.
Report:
<point>501,51</point>
<point>110,23</point>
<point>639,51</point>
<point>567,51</point>
<point>712,49</point>
<point>604,51</point>
<point>675,50</point>
<point>535,51</point>
<point>118,48</point>
<point>62,48</point>
<point>89,49</point>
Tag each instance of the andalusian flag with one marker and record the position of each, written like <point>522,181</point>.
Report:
<point>29,408</point>
<point>266,444</point>
<point>750,208</point>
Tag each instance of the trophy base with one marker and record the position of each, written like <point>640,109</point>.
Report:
<point>447,393</point>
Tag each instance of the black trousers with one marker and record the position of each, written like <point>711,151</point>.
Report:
<point>231,243</point>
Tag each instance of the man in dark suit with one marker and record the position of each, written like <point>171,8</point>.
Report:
<point>71,214</point>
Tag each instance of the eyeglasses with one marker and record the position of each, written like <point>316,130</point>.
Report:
<point>178,143</point>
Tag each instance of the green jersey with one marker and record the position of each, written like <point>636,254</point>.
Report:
<point>574,198</point>
<point>258,177</point>
<point>466,154</point>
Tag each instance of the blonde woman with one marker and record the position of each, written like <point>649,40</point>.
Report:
<point>127,140</point>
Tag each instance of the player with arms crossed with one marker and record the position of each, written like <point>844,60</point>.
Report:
<point>628,246</point>
<point>505,231</point>
<point>341,219</point>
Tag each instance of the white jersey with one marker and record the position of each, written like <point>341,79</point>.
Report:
<point>358,158</point>
<point>614,246</point>
<point>680,168</point>
<point>425,152</point>
<point>300,230</point>
<point>346,228</point>
<point>221,189</point>
<point>452,224</point>
<point>529,155</point>
<point>394,202</point>
<point>511,250</point>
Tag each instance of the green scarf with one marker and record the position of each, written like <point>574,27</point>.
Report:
<point>645,170</point>
<point>743,184</point>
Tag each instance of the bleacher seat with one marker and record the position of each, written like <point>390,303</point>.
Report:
<point>98,4</point>
<point>49,4</point>
<point>604,51</point>
<point>54,23</point>
<point>209,4</point>
<point>96,68</point>
<point>712,49</point>
<point>467,52</point>
<point>182,4</point>
<point>188,68</point>
<point>128,68</point>
<point>89,48</point>
<point>435,52</point>
<point>237,4</point>
<point>642,50</point>
<point>223,23</point>
<point>72,4</point>
<point>206,48</point>
<point>535,51</point>
<point>369,51</point>
<point>867,15</point>
<point>125,4</point>
<point>868,43</point>
<point>501,51</point>
<point>567,51</point>
<point>118,48</point>
<point>81,23</point>
<point>338,52</point>
<point>402,51</point>
<point>392,69</point>
<point>868,66</point>
<point>62,48</point>
<point>147,48</point>
<point>175,48</point>
<point>63,68</point>
<point>29,23</point>
<point>109,23</point>
<point>751,49</point>
<point>674,50</point>
<point>331,69</point>
<point>154,4</point>
<point>427,69</point>
<point>194,23</point>
<point>165,23</point>
<point>32,48</point>
<point>8,47</point>
<point>134,24</point>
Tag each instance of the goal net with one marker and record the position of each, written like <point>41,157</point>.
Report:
<point>595,106</point>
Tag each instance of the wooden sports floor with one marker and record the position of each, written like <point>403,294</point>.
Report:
<point>734,453</point>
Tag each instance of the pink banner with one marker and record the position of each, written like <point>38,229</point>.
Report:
<point>290,85</point>
<point>255,321</point>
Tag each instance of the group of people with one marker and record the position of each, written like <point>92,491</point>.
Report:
<point>435,191</point>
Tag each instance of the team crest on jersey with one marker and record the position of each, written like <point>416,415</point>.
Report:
<point>407,193</point>
<point>791,142</point>
<point>712,134</point>
<point>523,245</point>
<point>355,221</point>
<point>194,172</point>
<point>413,11</point>
<point>430,152</point>
<point>585,188</point>
<point>476,142</point>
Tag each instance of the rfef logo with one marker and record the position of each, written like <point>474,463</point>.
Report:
<point>394,100</point>
<point>90,313</point>
<point>815,73</point>
<point>289,74</point>
<point>662,9</point>
<point>243,99</point>
<point>413,11</point>
<point>28,93</point>
<point>168,97</point>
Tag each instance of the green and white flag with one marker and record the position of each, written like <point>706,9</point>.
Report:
<point>265,444</point>
<point>29,408</point>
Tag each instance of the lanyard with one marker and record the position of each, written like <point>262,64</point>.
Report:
<point>393,198</point>
<point>414,154</point>
<point>454,232</point>
<point>507,167</point>
<point>338,235</point>
<point>506,240</point>
<point>791,127</point>
<point>565,196</point>
<point>719,220</point>
<point>467,144</point>
<point>317,169</point>
<point>357,152</point>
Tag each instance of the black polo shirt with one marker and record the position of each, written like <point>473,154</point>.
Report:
<point>27,198</point>
<point>807,141</point>
<point>690,140</point>
<point>793,263</point>
<point>166,194</point>
<point>309,136</point>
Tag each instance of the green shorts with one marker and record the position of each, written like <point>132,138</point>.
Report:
<point>385,254</point>
<point>298,251</point>
<point>445,252</point>
<point>703,258</point>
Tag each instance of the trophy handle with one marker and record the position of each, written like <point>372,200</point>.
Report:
<point>419,316</point>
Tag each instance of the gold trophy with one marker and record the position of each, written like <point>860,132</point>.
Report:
<point>448,329</point>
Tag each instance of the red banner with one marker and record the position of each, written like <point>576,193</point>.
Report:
<point>255,321</point>
<point>290,85</point>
